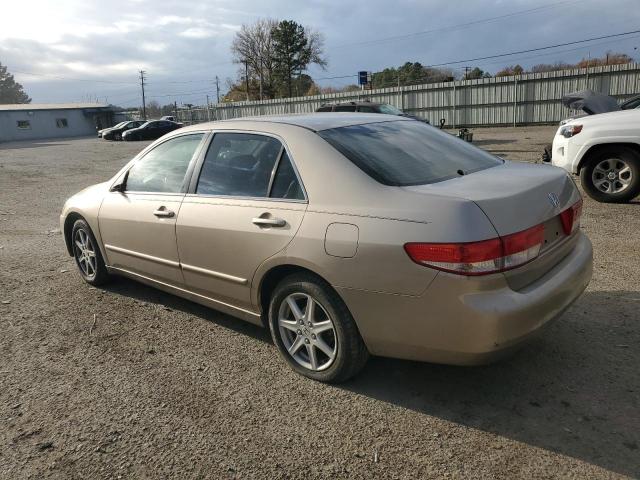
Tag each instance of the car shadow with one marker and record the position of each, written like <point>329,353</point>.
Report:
<point>574,390</point>
<point>491,141</point>
<point>129,288</point>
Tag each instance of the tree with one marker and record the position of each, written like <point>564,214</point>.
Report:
<point>294,48</point>
<point>410,74</point>
<point>476,73</point>
<point>253,48</point>
<point>510,70</point>
<point>10,90</point>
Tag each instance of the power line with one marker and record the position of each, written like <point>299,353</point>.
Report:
<point>468,60</point>
<point>58,77</point>
<point>459,25</point>
<point>532,49</point>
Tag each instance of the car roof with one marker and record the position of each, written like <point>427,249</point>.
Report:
<point>311,121</point>
<point>357,103</point>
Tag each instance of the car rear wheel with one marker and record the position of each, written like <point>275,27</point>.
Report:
<point>87,254</point>
<point>314,331</point>
<point>117,136</point>
<point>612,175</point>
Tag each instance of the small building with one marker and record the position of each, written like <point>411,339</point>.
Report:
<point>31,121</point>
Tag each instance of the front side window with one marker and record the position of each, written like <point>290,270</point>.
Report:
<point>345,108</point>
<point>23,124</point>
<point>389,109</point>
<point>403,153</point>
<point>325,109</point>
<point>163,169</point>
<point>242,165</point>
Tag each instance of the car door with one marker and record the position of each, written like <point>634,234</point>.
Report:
<point>245,204</point>
<point>137,225</point>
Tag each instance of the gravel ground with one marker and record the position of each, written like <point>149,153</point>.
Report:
<point>128,382</point>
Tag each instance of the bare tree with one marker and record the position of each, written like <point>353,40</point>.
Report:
<point>253,48</point>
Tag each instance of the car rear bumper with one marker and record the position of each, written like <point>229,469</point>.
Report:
<point>468,320</point>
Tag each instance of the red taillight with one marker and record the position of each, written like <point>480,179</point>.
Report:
<point>571,218</point>
<point>480,258</point>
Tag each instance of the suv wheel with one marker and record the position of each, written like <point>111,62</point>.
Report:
<point>612,175</point>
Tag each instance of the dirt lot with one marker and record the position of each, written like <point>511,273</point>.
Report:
<point>158,387</point>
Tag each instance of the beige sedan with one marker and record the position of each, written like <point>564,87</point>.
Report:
<point>345,234</point>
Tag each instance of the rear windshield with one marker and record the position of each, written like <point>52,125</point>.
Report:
<point>405,153</point>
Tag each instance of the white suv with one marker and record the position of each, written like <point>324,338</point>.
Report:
<point>604,150</point>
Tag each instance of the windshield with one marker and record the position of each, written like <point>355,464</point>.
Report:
<point>120,124</point>
<point>389,109</point>
<point>403,153</point>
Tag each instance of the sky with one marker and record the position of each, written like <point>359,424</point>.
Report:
<point>83,50</point>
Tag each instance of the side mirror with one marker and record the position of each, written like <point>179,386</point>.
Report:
<point>120,186</point>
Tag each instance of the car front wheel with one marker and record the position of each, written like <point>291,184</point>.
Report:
<point>612,175</point>
<point>87,254</point>
<point>314,331</point>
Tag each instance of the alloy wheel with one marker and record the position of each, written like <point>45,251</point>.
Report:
<point>307,332</point>
<point>612,175</point>
<point>85,253</point>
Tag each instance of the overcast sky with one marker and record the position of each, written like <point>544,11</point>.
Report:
<point>86,48</point>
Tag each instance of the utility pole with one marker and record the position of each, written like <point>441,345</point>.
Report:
<point>246,78</point>
<point>217,89</point>
<point>208,110</point>
<point>466,72</point>
<point>144,105</point>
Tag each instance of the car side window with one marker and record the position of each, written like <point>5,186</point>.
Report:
<point>239,164</point>
<point>345,108</point>
<point>285,183</point>
<point>324,109</point>
<point>163,169</point>
<point>366,109</point>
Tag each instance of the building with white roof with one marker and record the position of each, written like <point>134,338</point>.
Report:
<point>31,121</point>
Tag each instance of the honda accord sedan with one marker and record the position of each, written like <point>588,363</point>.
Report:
<point>347,235</point>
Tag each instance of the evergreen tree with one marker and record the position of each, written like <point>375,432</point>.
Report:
<point>10,90</point>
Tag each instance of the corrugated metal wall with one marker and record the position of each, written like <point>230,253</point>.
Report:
<point>529,99</point>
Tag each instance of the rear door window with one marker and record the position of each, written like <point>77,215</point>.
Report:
<point>407,152</point>
<point>324,109</point>
<point>239,164</point>
<point>285,183</point>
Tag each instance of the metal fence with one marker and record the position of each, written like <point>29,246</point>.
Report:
<point>528,99</point>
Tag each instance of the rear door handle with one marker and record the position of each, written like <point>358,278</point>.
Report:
<point>164,213</point>
<point>268,222</point>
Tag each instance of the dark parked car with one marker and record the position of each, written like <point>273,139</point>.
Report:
<point>151,130</point>
<point>115,133</point>
<point>367,107</point>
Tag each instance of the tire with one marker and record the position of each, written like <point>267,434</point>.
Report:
<point>87,255</point>
<point>612,175</point>
<point>117,137</point>
<point>336,347</point>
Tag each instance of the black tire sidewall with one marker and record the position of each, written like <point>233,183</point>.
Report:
<point>626,154</point>
<point>344,327</point>
<point>102,275</point>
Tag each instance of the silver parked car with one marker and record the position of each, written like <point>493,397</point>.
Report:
<point>345,234</point>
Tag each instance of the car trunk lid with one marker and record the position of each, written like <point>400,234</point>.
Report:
<point>515,197</point>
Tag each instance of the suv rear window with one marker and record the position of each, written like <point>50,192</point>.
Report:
<point>403,153</point>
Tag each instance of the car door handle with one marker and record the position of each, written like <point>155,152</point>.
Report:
<point>269,222</point>
<point>164,213</point>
